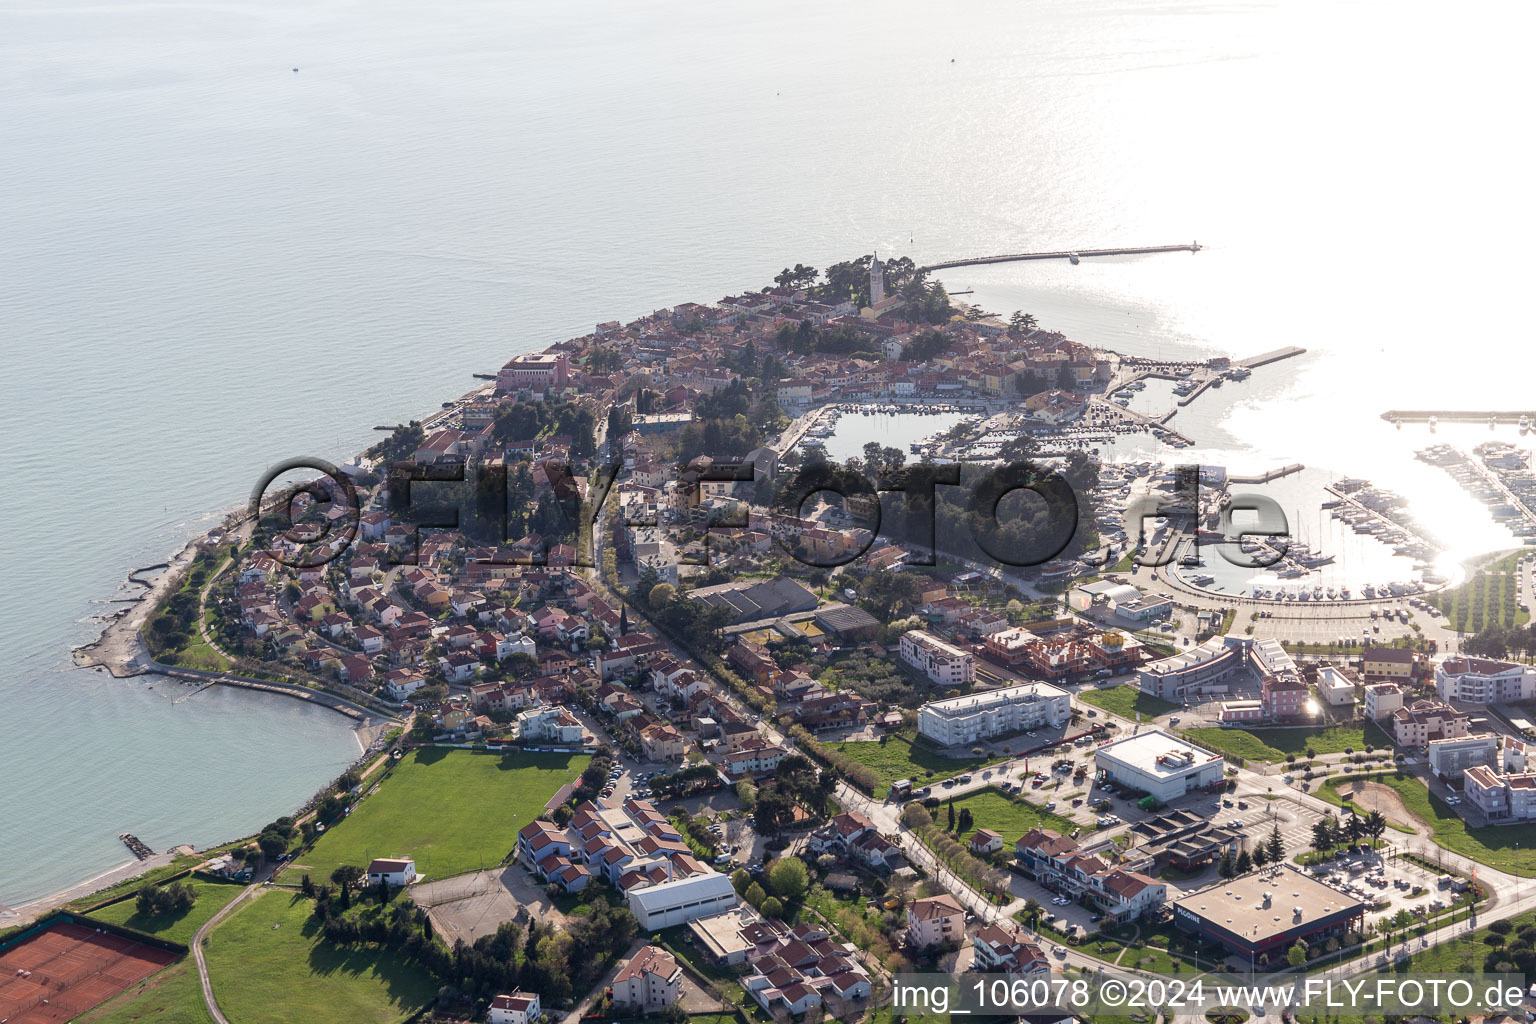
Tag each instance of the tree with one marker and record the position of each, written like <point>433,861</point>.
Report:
<point>788,878</point>
<point>740,880</point>
<point>1031,911</point>
<point>1297,955</point>
<point>661,595</point>
<point>755,895</point>
<point>1227,867</point>
<point>1276,846</point>
<point>966,821</point>
<point>271,843</point>
<point>348,780</point>
<point>773,907</point>
<point>345,876</point>
<point>307,887</point>
<point>1374,825</point>
<point>1322,835</point>
<point>1352,827</point>
<point>951,816</point>
<point>1244,862</point>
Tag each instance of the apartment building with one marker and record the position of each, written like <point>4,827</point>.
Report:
<point>1003,712</point>
<point>944,663</point>
<point>1480,681</point>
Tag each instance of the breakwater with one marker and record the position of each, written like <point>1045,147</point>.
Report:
<point>1066,254</point>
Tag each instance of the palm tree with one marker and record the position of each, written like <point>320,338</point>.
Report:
<point>1374,825</point>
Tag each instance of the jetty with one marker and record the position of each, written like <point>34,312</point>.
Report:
<point>1068,254</point>
<point>1273,474</point>
<point>1490,416</point>
<point>1264,359</point>
<point>136,846</point>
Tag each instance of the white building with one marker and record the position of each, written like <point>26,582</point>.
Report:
<point>517,1008</point>
<point>549,722</point>
<point>1335,687</point>
<point>1450,757</point>
<point>687,899</point>
<point>1002,712</point>
<point>1155,762</point>
<point>1501,797</point>
<point>1479,681</point>
<point>941,662</point>
<point>1199,669</point>
<point>1381,699</point>
<point>394,872</point>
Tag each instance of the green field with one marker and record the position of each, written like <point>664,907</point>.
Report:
<point>451,810</point>
<point>991,808</point>
<point>211,897</point>
<point>1486,599</point>
<point>172,996</point>
<point>1272,745</point>
<point>1505,847</point>
<point>269,965</point>
<point>1128,702</point>
<point>897,758</point>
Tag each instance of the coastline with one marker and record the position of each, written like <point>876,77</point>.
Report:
<point>27,912</point>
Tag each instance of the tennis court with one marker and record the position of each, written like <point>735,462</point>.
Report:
<point>61,972</point>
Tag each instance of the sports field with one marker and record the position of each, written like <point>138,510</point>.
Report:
<point>63,971</point>
<point>269,964</point>
<point>450,810</point>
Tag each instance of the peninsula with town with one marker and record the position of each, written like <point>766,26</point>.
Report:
<point>697,684</point>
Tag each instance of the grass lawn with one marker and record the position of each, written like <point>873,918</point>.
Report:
<point>1127,702</point>
<point>269,965</point>
<point>898,758</point>
<point>171,996</point>
<point>211,897</point>
<point>991,808</point>
<point>1271,745</point>
<point>1500,846</point>
<point>451,810</point>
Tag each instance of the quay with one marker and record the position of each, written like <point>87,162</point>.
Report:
<point>1273,474</point>
<point>1253,362</point>
<point>1141,250</point>
<point>1455,416</point>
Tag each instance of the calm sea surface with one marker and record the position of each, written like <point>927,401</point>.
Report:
<point>212,261</point>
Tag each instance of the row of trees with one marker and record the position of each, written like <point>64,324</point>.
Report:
<point>977,873</point>
<point>857,774</point>
<point>1501,642</point>
<point>1330,832</point>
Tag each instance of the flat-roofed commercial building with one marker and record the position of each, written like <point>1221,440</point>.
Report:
<point>1450,757</point>
<point>980,716</point>
<point>1159,764</point>
<point>1261,915</point>
<point>941,662</point>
